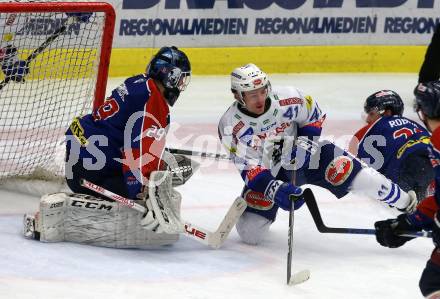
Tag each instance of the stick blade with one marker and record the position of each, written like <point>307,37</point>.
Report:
<point>229,221</point>
<point>299,277</point>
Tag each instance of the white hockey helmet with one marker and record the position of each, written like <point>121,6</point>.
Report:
<point>247,78</point>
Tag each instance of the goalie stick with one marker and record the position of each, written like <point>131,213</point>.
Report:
<point>311,203</point>
<point>204,236</point>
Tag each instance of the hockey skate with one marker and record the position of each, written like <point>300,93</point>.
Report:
<point>29,231</point>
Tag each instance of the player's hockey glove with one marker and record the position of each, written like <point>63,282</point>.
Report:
<point>387,231</point>
<point>8,55</point>
<point>280,192</point>
<point>16,71</point>
<point>436,229</point>
<point>80,16</point>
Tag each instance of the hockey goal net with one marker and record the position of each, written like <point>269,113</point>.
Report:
<point>54,59</point>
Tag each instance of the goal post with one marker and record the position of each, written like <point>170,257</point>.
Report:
<point>54,60</point>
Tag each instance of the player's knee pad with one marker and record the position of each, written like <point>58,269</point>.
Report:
<point>252,228</point>
<point>86,219</point>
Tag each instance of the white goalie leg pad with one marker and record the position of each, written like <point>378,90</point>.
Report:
<point>89,220</point>
<point>50,219</point>
<point>373,184</point>
<point>252,228</point>
<point>162,198</point>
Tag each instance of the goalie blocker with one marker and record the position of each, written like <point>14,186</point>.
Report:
<point>95,221</point>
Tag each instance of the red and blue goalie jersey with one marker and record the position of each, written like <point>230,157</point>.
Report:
<point>127,133</point>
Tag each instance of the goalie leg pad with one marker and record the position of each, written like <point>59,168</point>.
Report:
<point>89,220</point>
<point>50,219</point>
<point>253,228</point>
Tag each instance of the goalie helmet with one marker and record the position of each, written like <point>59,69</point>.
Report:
<point>247,78</point>
<point>171,67</point>
<point>427,99</point>
<point>384,100</point>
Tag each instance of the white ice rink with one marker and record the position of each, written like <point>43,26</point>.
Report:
<point>342,266</point>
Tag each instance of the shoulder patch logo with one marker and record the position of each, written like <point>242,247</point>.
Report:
<point>338,170</point>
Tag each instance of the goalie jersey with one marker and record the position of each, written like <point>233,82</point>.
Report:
<point>126,134</point>
<point>256,142</point>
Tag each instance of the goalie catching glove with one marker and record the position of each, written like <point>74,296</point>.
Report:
<point>181,167</point>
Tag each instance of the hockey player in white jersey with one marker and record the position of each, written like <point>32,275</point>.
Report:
<point>272,133</point>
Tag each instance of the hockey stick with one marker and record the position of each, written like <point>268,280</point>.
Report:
<point>302,275</point>
<point>212,239</point>
<point>308,145</point>
<point>310,200</point>
<point>42,47</point>
<point>198,154</point>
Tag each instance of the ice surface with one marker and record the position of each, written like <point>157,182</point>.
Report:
<point>342,266</point>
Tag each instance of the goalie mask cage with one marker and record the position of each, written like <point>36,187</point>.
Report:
<point>67,58</point>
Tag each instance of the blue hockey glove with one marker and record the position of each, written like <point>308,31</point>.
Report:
<point>436,229</point>
<point>80,16</point>
<point>16,71</point>
<point>280,192</point>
